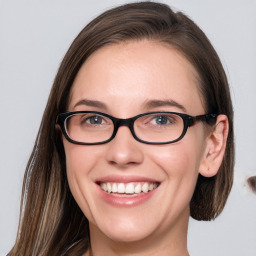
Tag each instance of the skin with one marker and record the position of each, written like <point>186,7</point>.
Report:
<point>124,77</point>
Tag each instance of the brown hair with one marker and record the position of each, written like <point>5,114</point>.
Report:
<point>51,222</point>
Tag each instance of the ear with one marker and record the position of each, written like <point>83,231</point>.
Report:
<point>215,147</point>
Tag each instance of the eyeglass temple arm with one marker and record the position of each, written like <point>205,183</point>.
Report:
<point>208,118</point>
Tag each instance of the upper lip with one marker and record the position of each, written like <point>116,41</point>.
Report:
<point>125,179</point>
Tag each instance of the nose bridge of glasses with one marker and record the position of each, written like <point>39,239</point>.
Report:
<point>123,122</point>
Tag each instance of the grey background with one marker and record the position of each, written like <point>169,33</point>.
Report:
<point>34,35</point>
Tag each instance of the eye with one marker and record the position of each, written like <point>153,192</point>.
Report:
<point>94,120</point>
<point>163,120</point>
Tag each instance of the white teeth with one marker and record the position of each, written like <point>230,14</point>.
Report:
<point>151,187</point>
<point>128,188</point>
<point>137,189</point>
<point>120,188</point>
<point>145,187</point>
<point>109,187</point>
<point>104,186</point>
<point>114,188</point>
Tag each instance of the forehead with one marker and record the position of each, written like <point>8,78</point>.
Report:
<point>133,72</point>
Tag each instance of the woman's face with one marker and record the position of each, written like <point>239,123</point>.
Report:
<point>125,80</point>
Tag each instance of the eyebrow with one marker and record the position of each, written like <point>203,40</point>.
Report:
<point>163,103</point>
<point>91,103</point>
<point>147,104</point>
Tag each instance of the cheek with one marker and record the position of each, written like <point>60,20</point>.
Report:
<point>178,160</point>
<point>180,163</point>
<point>79,163</point>
<point>181,169</point>
<point>74,164</point>
<point>75,169</point>
<point>80,159</point>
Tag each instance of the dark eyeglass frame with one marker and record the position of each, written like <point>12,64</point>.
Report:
<point>188,121</point>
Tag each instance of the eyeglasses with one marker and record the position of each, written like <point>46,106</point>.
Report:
<point>92,127</point>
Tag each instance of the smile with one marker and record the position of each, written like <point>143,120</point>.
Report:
<point>131,188</point>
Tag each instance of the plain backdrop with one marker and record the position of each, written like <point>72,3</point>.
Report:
<point>34,36</point>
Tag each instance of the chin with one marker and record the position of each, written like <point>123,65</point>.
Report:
<point>125,229</point>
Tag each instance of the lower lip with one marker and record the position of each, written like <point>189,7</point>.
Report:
<point>126,201</point>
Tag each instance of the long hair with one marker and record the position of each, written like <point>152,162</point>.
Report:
<point>51,223</point>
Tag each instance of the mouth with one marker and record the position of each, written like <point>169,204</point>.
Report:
<point>128,189</point>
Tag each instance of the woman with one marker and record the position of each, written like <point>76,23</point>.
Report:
<point>137,136</point>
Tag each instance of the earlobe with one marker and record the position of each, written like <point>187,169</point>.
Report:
<point>215,147</point>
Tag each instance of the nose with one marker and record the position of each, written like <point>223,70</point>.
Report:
<point>124,150</point>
